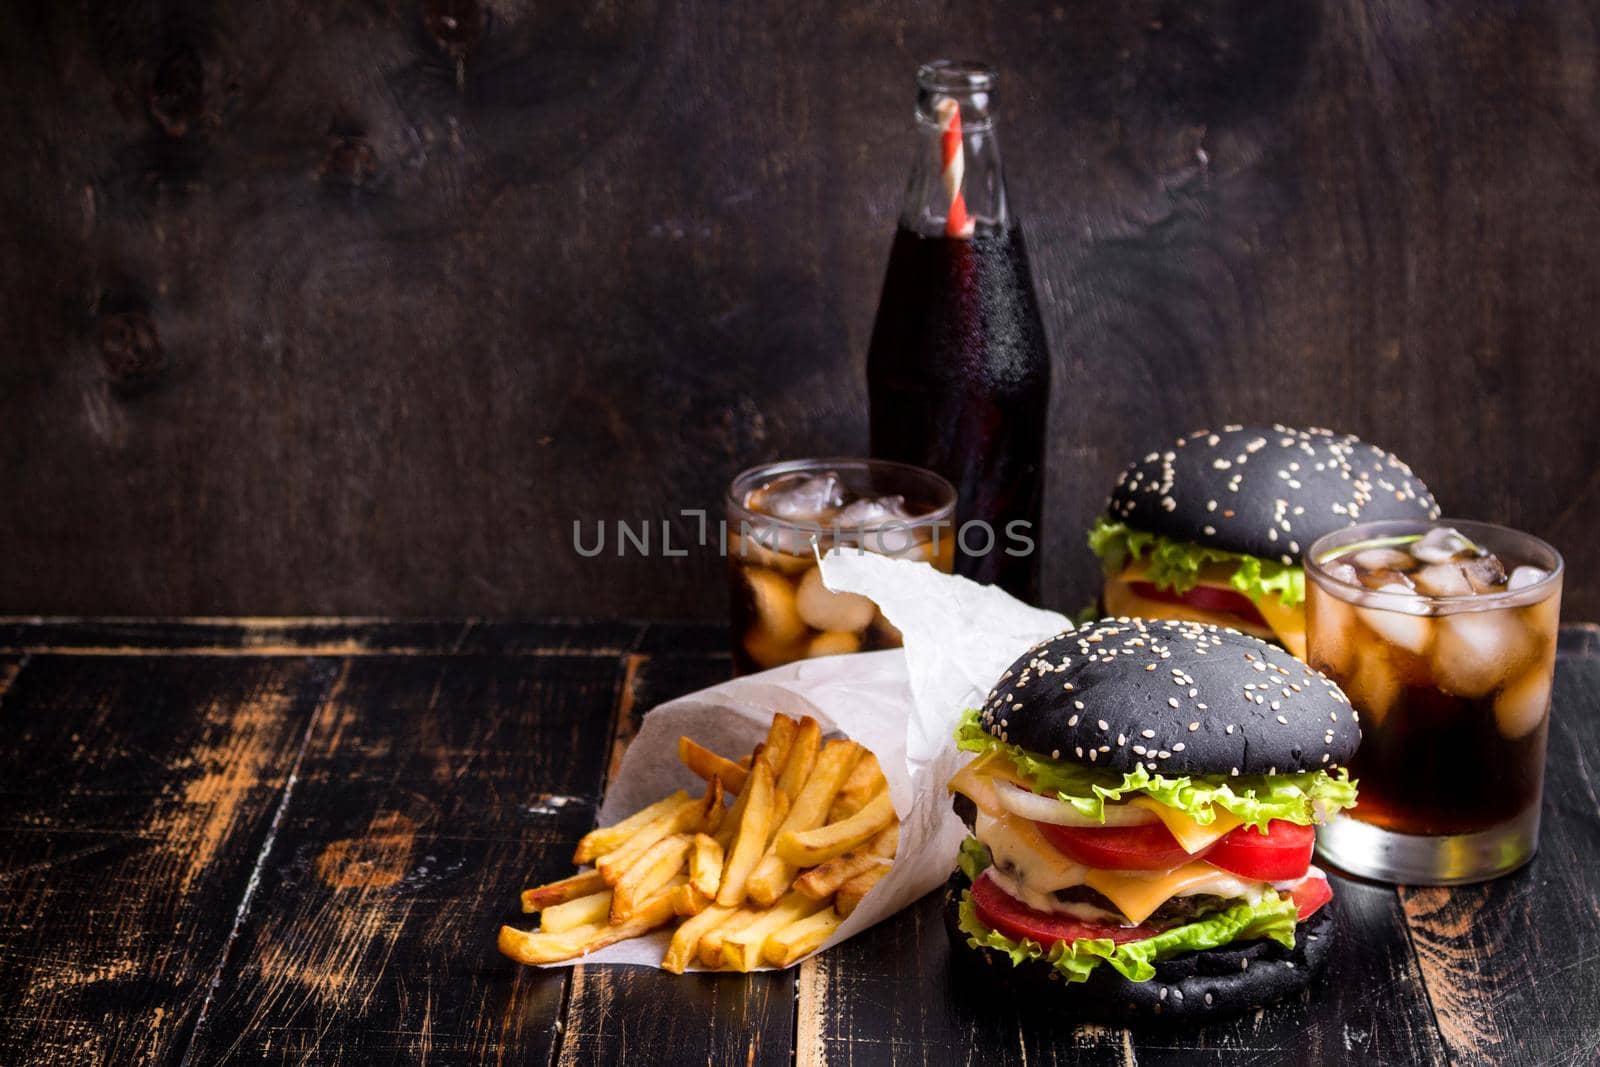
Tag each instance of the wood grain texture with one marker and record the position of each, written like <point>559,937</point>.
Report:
<point>209,857</point>
<point>327,637</point>
<point>347,309</point>
<point>653,1016</point>
<point>1513,966</point>
<point>432,790</point>
<point>9,668</point>
<point>1368,1007</point>
<point>856,1006</point>
<point>135,797</point>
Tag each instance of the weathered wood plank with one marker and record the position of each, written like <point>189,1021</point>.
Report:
<point>137,792</point>
<point>318,637</point>
<point>433,789</point>
<point>9,666</point>
<point>656,1016</point>
<point>1368,1007</point>
<point>135,797</point>
<point>679,638</point>
<point>1513,966</point>
<point>896,995</point>
<point>666,1018</point>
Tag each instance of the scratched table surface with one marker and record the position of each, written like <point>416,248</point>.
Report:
<point>294,840</point>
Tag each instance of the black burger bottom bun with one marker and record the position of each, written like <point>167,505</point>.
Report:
<point>1188,988</point>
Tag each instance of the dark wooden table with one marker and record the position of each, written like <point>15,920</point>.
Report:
<point>230,840</point>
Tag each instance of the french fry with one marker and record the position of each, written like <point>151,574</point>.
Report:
<point>686,938</point>
<point>799,938</point>
<point>689,815</point>
<point>539,947</point>
<point>802,758</point>
<point>822,882</point>
<point>775,749</point>
<point>887,843</point>
<point>730,821</point>
<point>708,765</point>
<point>713,811</point>
<point>750,842</point>
<point>780,811</point>
<point>775,872</point>
<point>705,865</point>
<point>541,897</point>
<point>613,865</point>
<point>850,894</point>
<point>580,912</point>
<point>610,838</point>
<point>710,947</point>
<point>809,848</point>
<point>687,900</point>
<point>865,782</point>
<point>741,950</point>
<point>769,878</point>
<point>659,864</point>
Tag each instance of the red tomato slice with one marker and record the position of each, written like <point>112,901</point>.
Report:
<point>1282,853</point>
<point>1309,895</point>
<point>1000,911</point>
<point>1206,598</point>
<point>1148,847</point>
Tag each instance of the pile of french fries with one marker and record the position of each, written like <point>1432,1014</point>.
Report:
<point>763,880</point>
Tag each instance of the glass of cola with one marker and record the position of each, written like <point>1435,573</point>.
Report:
<point>1443,636</point>
<point>782,516</point>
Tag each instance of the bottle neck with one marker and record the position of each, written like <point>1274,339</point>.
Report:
<point>957,187</point>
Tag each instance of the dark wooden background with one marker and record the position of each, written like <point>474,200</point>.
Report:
<point>334,307</point>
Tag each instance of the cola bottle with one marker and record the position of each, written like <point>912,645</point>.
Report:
<point>958,371</point>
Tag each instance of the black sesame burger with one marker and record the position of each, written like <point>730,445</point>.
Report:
<point>1145,793</point>
<point>1212,528</point>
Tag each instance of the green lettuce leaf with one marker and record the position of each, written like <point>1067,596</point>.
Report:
<point>1256,799</point>
<point>1176,565</point>
<point>1271,917</point>
<point>974,858</point>
<point>1088,613</point>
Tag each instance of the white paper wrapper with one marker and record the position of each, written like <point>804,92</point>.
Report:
<point>903,705</point>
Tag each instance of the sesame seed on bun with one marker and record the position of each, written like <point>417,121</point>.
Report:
<point>1201,880</point>
<point>1266,491</point>
<point>1174,697</point>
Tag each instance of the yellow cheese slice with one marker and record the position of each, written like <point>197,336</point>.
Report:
<point>1289,624</point>
<point>1190,834</point>
<point>1285,624</point>
<point>1213,574</point>
<point>1138,897</point>
<point>974,781</point>
<point>1120,599</point>
<point>1018,847</point>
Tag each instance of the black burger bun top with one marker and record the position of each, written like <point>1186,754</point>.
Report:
<point>1189,988</point>
<point>1173,697</point>
<point>1266,491</point>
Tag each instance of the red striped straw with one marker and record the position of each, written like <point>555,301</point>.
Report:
<point>959,224</point>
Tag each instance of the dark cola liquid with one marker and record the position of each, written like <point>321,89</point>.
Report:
<point>959,382</point>
<point>1435,762</point>
<point>1440,766</point>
